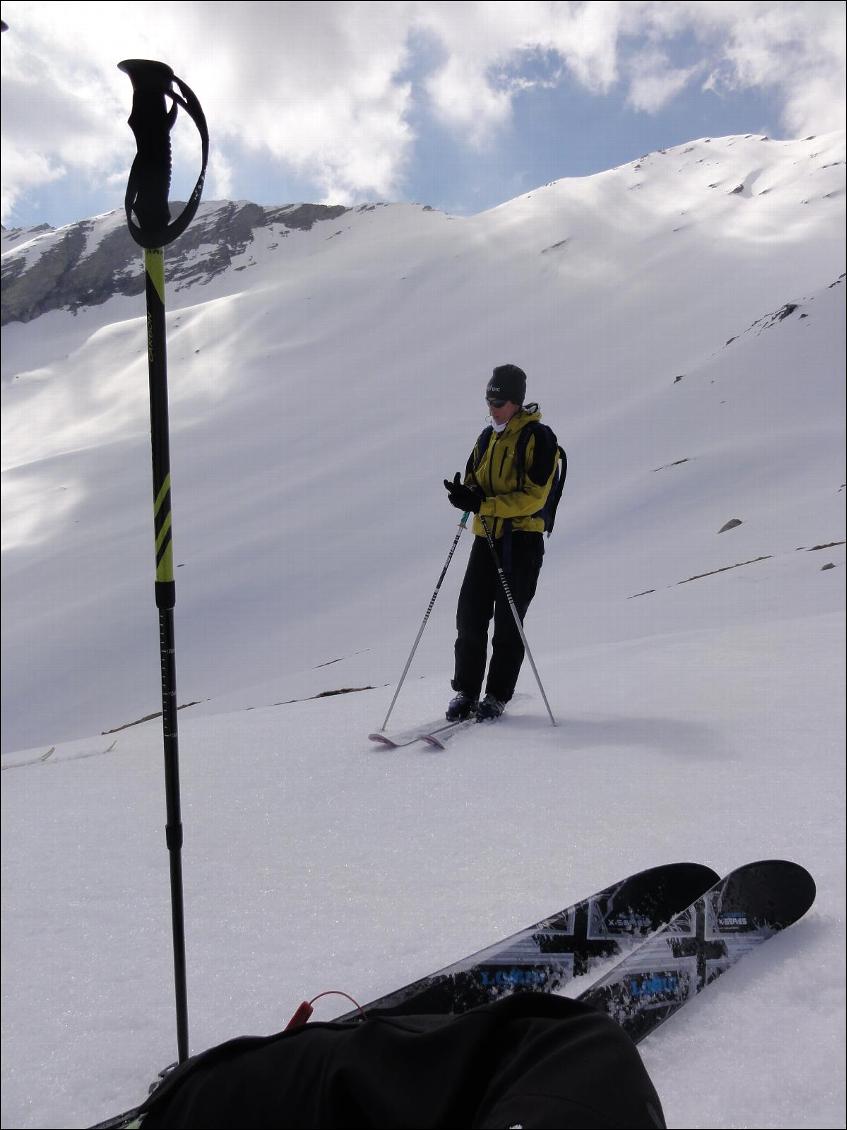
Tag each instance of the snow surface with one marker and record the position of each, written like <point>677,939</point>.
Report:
<point>318,397</point>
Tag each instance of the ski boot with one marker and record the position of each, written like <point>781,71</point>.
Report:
<point>461,707</point>
<point>490,709</point>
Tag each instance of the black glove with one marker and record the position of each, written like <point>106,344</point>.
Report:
<point>462,497</point>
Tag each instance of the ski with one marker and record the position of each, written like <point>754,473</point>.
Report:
<point>434,733</point>
<point>545,956</point>
<point>410,736</point>
<point>443,734</point>
<point>393,741</point>
<point>736,915</point>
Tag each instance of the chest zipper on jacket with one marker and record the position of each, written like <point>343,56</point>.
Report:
<point>491,464</point>
<point>503,461</point>
<point>497,521</point>
<point>491,467</point>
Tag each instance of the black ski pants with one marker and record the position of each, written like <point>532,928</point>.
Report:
<point>482,596</point>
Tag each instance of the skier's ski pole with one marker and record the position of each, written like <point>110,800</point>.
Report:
<point>516,615</point>
<point>462,526</point>
<point>147,199</point>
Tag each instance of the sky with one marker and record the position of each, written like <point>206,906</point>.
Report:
<point>461,106</point>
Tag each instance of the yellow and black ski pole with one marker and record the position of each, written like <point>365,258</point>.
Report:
<point>157,94</point>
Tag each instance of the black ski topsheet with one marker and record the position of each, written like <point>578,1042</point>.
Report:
<point>544,957</point>
<point>744,909</point>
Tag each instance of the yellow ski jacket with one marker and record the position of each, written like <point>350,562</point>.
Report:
<point>495,472</point>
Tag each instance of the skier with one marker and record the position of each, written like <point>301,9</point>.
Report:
<point>506,485</point>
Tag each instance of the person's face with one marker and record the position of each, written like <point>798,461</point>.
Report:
<point>501,411</point>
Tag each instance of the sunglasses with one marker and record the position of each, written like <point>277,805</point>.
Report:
<point>496,403</point>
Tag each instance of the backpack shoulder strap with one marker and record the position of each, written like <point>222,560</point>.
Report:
<point>547,449</point>
<point>479,449</point>
<point>520,452</point>
<point>543,456</point>
<point>556,491</point>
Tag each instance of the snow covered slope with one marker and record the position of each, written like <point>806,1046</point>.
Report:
<point>681,320</point>
<point>325,383</point>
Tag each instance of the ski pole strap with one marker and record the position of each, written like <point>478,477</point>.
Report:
<point>150,176</point>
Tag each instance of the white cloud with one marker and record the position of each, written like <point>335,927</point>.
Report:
<point>794,51</point>
<point>326,90</point>
<point>653,82</point>
<point>483,44</point>
<point>220,177</point>
<point>314,86</point>
<point>22,171</point>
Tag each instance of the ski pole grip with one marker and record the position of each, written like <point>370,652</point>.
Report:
<point>151,120</point>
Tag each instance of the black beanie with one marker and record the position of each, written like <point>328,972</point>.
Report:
<point>508,382</point>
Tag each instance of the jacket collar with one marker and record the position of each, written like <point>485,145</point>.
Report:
<point>529,414</point>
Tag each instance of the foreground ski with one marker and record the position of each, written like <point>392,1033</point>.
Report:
<point>740,912</point>
<point>541,958</point>
<point>546,956</point>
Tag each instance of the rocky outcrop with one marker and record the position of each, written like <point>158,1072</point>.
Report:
<point>87,263</point>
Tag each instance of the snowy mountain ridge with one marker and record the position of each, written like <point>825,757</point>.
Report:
<point>88,262</point>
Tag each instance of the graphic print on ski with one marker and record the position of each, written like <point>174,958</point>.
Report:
<point>544,957</point>
<point>744,909</point>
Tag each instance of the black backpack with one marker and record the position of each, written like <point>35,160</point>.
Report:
<point>545,442</point>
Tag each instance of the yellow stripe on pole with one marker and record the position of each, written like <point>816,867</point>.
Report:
<point>162,495</point>
<point>165,565</point>
<point>165,568</point>
<point>165,532</point>
<point>154,264</point>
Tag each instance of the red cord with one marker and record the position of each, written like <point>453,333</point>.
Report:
<point>305,1010</point>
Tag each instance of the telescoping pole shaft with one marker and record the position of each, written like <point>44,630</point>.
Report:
<point>515,613</point>
<point>165,590</point>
